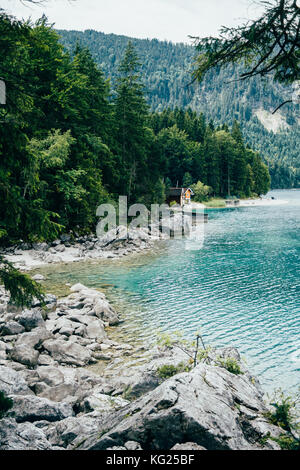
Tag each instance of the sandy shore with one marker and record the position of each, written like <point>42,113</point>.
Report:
<point>262,202</point>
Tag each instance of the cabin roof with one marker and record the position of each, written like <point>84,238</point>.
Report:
<point>175,191</point>
<point>179,191</point>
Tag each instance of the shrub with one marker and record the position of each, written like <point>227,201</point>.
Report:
<point>5,404</point>
<point>231,365</point>
<point>287,442</point>
<point>167,371</point>
<point>284,411</point>
<point>173,203</point>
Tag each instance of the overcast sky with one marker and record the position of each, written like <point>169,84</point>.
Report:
<point>173,20</point>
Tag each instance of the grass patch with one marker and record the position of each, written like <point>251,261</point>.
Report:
<point>215,203</point>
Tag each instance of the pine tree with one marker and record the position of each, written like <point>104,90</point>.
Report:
<point>131,115</point>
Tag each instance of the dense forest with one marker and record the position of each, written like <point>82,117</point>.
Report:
<point>70,140</point>
<point>166,71</point>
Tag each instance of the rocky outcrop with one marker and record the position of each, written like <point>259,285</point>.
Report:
<point>58,403</point>
<point>208,406</point>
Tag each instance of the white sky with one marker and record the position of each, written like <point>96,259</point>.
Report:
<point>173,20</point>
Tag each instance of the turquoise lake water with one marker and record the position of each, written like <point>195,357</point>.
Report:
<point>242,288</point>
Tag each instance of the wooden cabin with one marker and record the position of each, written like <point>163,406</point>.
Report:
<point>181,196</point>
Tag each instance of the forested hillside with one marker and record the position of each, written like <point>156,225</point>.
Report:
<point>70,141</point>
<point>166,72</point>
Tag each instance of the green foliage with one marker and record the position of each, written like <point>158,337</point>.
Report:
<point>230,364</point>
<point>21,287</point>
<point>201,191</point>
<point>5,404</point>
<point>287,442</point>
<point>70,141</point>
<point>285,412</point>
<point>168,370</point>
<point>168,340</point>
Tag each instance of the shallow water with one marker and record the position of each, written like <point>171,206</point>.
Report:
<point>241,289</point>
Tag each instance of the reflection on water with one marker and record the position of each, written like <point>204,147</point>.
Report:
<point>241,288</point>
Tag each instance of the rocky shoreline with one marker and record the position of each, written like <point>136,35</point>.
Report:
<point>59,403</point>
<point>69,248</point>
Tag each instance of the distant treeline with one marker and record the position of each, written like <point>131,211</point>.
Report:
<point>166,71</point>
<point>69,142</point>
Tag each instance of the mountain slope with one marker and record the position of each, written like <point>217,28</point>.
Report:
<point>167,67</point>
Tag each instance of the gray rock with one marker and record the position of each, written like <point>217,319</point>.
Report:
<point>24,436</point>
<point>131,445</point>
<point>31,408</point>
<point>137,381</point>
<point>95,330</point>
<point>60,248</point>
<point>101,402</point>
<point>25,355</point>
<point>11,328</point>
<point>66,433</point>
<point>12,382</point>
<point>35,338</point>
<point>38,277</point>
<point>25,350</point>
<point>49,299</point>
<point>67,352</point>
<point>202,407</point>
<point>105,311</point>
<point>3,355</point>
<point>188,446</point>
<point>45,360</point>
<point>40,246</point>
<point>65,237</point>
<point>31,319</point>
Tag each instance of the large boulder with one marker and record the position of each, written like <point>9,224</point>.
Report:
<point>104,310</point>
<point>95,330</point>
<point>31,319</point>
<point>205,406</point>
<point>11,328</point>
<point>21,436</point>
<point>64,433</point>
<point>67,352</point>
<point>64,383</point>
<point>34,339</point>
<point>26,347</point>
<point>12,382</point>
<point>25,355</point>
<point>98,401</point>
<point>31,408</point>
